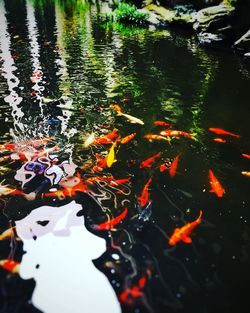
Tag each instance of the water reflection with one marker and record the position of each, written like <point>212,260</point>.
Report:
<point>74,67</point>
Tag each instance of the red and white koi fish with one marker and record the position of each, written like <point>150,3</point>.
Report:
<point>156,137</point>
<point>149,162</point>
<point>144,197</point>
<point>127,138</point>
<point>131,118</point>
<point>247,156</point>
<point>220,131</point>
<point>112,222</point>
<point>162,123</point>
<point>215,185</point>
<point>176,133</point>
<point>10,265</point>
<point>173,167</point>
<point>220,140</point>
<point>183,233</point>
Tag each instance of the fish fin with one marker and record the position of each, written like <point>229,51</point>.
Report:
<point>186,239</point>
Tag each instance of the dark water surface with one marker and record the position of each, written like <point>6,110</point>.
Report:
<point>61,68</point>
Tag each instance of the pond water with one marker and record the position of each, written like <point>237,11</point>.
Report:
<point>65,76</point>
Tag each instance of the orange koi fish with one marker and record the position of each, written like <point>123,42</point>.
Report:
<point>117,182</point>
<point>127,138</point>
<point>163,167</point>
<point>173,166</point>
<point>149,162</point>
<point>183,233</point>
<point>10,265</point>
<point>220,131</point>
<point>156,137</point>
<point>176,133</point>
<point>101,164</point>
<point>245,173</point>
<point>113,222</point>
<point>106,139</point>
<point>162,123</point>
<point>144,197</point>
<point>116,107</point>
<point>215,185</point>
<point>220,140</point>
<point>246,155</point>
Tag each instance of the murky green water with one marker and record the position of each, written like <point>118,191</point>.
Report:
<point>61,67</point>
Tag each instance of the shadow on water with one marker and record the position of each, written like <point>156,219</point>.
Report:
<point>61,68</point>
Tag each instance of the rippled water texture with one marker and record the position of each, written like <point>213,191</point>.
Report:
<point>63,70</point>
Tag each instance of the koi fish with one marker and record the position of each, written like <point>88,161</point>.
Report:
<point>10,265</point>
<point>111,156</point>
<point>246,155</point>
<point>176,133</point>
<point>245,173</point>
<point>164,167</point>
<point>215,185</point>
<point>112,222</point>
<point>127,138</point>
<point>162,123</point>
<point>117,182</point>
<point>149,162</point>
<point>183,233</point>
<point>101,164</point>
<point>220,140</point>
<point>220,131</point>
<point>106,139</point>
<point>129,294</point>
<point>156,137</point>
<point>8,146</point>
<point>89,140</point>
<point>144,197</point>
<point>173,166</point>
<point>132,119</point>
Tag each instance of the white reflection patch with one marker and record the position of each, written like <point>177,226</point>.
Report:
<point>59,253</point>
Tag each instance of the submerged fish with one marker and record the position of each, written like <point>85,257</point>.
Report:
<point>183,233</point>
<point>215,185</point>
<point>220,140</point>
<point>112,222</point>
<point>10,265</point>
<point>247,156</point>
<point>156,137</point>
<point>173,167</point>
<point>111,156</point>
<point>162,123</point>
<point>245,173</point>
<point>220,131</point>
<point>149,162</point>
<point>144,197</point>
<point>89,140</point>
<point>176,133</point>
<point>131,118</point>
<point>127,138</point>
